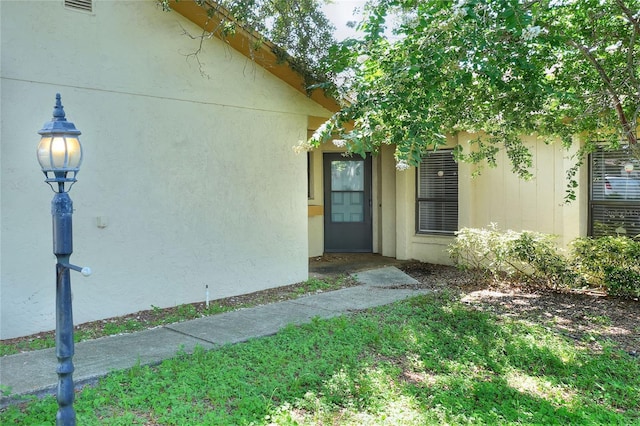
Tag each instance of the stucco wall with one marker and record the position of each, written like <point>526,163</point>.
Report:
<point>193,175</point>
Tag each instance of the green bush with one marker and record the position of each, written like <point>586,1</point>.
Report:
<point>622,282</point>
<point>481,250</point>
<point>610,263</point>
<point>544,260</point>
<point>531,256</point>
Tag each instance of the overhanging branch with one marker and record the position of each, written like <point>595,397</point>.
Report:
<point>627,128</point>
<point>629,15</point>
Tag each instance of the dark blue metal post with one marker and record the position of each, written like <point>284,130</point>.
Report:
<point>60,155</point>
<point>61,211</point>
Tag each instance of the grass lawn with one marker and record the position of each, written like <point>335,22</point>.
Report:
<point>427,360</point>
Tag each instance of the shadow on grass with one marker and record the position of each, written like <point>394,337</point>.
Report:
<point>582,317</point>
<point>490,369</point>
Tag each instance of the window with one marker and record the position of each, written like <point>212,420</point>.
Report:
<point>437,185</point>
<point>614,193</point>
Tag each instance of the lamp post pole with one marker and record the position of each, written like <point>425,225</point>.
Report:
<point>60,155</point>
<point>61,211</point>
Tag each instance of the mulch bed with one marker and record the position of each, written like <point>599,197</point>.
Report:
<point>587,317</point>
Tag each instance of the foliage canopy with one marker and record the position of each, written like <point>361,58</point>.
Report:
<point>502,68</point>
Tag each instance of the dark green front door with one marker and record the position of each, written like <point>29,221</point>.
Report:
<point>347,205</point>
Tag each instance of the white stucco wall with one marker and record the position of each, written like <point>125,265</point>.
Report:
<point>194,176</point>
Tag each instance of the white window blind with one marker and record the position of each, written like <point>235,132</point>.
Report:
<point>614,193</point>
<point>437,198</point>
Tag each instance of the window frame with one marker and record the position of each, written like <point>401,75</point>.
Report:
<point>437,200</point>
<point>598,201</point>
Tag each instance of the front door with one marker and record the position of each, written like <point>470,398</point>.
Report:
<point>347,204</point>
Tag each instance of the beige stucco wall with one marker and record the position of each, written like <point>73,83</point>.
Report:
<point>194,176</point>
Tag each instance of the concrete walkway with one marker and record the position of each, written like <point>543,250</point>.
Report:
<point>35,372</point>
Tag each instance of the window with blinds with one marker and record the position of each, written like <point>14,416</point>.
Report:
<point>614,193</point>
<point>83,5</point>
<point>437,197</point>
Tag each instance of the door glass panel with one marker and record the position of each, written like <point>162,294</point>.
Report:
<point>347,191</point>
<point>347,175</point>
<point>347,206</point>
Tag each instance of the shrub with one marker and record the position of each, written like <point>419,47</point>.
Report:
<point>480,250</point>
<point>539,253</point>
<point>531,256</point>
<point>610,263</point>
<point>622,282</point>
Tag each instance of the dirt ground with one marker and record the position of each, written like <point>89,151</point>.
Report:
<point>586,318</point>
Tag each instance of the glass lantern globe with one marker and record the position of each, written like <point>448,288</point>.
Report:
<point>59,151</point>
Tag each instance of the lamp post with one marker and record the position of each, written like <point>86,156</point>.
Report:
<point>60,155</point>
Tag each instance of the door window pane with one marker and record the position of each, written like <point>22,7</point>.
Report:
<point>347,175</point>
<point>347,206</point>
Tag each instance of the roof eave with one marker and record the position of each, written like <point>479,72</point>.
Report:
<point>262,54</point>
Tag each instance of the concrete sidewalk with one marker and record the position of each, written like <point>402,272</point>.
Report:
<point>35,372</point>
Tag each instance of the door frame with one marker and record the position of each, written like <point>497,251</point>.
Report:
<point>357,236</point>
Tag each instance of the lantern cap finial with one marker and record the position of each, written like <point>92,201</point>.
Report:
<point>58,110</point>
<point>59,123</point>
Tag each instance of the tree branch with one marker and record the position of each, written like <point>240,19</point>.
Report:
<point>629,15</point>
<point>628,131</point>
<point>630,68</point>
<point>201,38</point>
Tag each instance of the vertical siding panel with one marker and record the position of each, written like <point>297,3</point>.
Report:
<point>531,218</point>
<point>512,217</point>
